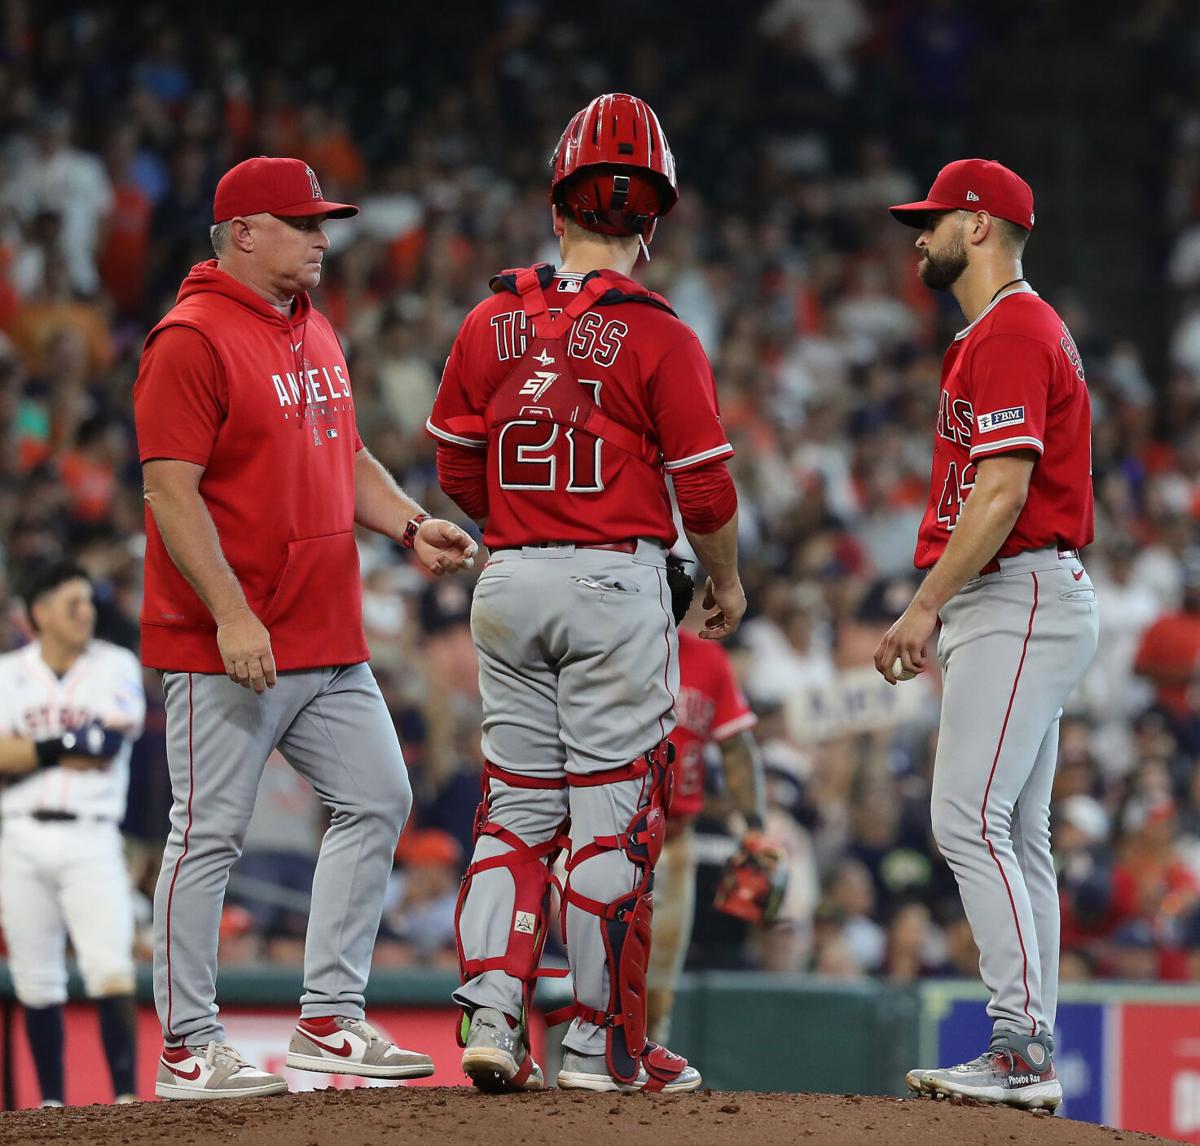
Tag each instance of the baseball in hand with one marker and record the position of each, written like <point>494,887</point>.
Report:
<point>900,672</point>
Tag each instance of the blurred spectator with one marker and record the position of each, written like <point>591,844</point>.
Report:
<point>1169,657</point>
<point>422,898</point>
<point>56,176</point>
<point>272,881</point>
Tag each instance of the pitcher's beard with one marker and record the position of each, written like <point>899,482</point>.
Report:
<point>942,270</point>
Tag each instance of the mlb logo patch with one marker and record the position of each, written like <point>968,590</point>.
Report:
<point>331,433</point>
<point>998,419</point>
<point>568,286</point>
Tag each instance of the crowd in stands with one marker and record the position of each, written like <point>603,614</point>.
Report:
<point>793,130</point>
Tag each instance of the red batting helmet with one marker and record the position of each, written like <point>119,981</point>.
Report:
<point>613,169</point>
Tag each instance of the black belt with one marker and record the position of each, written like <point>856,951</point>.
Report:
<point>51,816</point>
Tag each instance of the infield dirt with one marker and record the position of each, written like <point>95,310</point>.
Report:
<point>430,1116</point>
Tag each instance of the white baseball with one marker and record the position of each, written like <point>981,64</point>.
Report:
<point>900,672</point>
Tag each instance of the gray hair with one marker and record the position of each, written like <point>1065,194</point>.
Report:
<point>218,233</point>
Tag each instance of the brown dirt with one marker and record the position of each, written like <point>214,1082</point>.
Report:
<point>434,1116</point>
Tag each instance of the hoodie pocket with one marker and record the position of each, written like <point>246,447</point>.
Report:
<point>319,574</point>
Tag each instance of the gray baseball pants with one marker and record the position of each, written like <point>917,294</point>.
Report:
<point>1012,647</point>
<point>578,670</point>
<point>333,727</point>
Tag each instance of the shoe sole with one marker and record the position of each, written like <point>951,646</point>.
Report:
<point>603,1084</point>
<point>492,1070</point>
<point>263,1089</point>
<point>359,1069</point>
<point>1042,1096</point>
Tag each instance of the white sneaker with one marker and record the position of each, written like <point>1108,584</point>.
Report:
<point>590,1072</point>
<point>337,1045</point>
<point>215,1071</point>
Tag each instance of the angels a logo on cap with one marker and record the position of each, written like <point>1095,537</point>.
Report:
<point>312,178</point>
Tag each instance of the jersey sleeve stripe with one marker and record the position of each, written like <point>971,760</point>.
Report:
<point>1006,444</point>
<point>696,459</point>
<point>446,436</point>
<point>734,726</point>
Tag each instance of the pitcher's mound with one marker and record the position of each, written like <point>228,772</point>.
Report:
<point>457,1116</point>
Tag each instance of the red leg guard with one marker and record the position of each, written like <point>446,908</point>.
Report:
<point>626,928</point>
<point>532,878</point>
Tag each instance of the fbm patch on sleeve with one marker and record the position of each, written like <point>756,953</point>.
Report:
<point>1000,419</point>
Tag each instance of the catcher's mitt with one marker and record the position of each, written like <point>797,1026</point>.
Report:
<point>682,587</point>
<point>753,882</point>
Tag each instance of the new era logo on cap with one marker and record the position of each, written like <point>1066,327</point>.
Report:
<point>972,197</point>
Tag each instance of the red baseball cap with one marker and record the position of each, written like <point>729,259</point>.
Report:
<point>973,185</point>
<point>275,186</point>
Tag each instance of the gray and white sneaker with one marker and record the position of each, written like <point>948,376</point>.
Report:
<point>214,1071</point>
<point>495,1057</point>
<point>1003,1074</point>
<point>338,1045</point>
<point>590,1072</point>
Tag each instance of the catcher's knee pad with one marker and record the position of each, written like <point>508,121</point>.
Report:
<point>530,867</point>
<point>625,925</point>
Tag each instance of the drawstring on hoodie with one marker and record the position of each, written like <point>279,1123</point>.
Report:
<point>298,357</point>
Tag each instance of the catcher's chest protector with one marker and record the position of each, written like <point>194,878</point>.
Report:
<point>543,385</point>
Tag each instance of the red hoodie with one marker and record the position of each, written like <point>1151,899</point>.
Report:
<point>263,403</point>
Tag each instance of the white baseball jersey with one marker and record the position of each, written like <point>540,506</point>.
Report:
<point>103,686</point>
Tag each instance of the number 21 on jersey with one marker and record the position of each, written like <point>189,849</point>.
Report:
<point>529,452</point>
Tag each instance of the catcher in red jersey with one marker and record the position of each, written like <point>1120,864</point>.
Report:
<point>710,708</point>
<point>568,398</point>
<point>1010,507</point>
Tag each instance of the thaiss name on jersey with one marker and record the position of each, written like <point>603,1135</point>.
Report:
<point>592,337</point>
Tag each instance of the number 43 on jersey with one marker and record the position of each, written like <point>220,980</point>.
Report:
<point>957,485</point>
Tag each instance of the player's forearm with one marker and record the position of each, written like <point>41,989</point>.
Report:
<point>718,552</point>
<point>17,755</point>
<point>744,778</point>
<point>379,503</point>
<point>187,530</point>
<point>987,518</point>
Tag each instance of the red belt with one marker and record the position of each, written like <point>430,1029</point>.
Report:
<point>614,546</point>
<point>993,566</point>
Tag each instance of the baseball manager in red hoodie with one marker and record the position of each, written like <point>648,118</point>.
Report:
<point>255,478</point>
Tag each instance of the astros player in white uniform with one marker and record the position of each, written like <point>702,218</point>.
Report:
<point>70,708</point>
<point>1010,507</point>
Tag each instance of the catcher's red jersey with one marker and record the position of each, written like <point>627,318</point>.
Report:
<point>641,365</point>
<point>710,706</point>
<point>1013,380</point>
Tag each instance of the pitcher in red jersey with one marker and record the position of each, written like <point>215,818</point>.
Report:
<point>568,398</point>
<point>1010,506</point>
